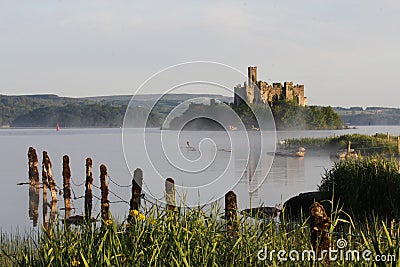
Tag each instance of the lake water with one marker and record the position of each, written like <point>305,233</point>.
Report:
<point>288,176</point>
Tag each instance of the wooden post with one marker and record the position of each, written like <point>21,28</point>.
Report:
<point>398,145</point>
<point>66,173</point>
<point>51,182</point>
<point>388,136</point>
<point>348,148</point>
<point>170,194</point>
<point>33,167</point>
<point>45,183</point>
<point>88,190</point>
<point>105,204</point>
<point>53,212</point>
<point>319,225</point>
<point>136,189</point>
<point>232,227</point>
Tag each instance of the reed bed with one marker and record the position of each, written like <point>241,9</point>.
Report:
<point>188,237</point>
<point>369,185</point>
<point>365,144</point>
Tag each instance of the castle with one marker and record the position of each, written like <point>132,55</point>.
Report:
<point>255,91</point>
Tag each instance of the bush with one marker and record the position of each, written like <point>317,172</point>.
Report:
<point>365,186</point>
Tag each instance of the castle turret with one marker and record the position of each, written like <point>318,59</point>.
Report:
<point>252,75</point>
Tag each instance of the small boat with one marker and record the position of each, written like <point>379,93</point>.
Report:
<point>57,127</point>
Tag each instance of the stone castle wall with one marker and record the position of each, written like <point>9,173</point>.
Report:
<point>255,91</point>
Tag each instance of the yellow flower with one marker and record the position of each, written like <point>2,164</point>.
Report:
<point>141,217</point>
<point>108,222</point>
<point>134,213</point>
<point>75,262</point>
<point>153,222</point>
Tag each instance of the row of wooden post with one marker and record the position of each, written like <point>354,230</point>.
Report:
<point>49,182</point>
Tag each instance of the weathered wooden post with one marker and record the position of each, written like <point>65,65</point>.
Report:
<point>388,136</point>
<point>348,148</point>
<point>44,210</point>
<point>105,204</point>
<point>398,145</point>
<point>66,173</point>
<point>51,182</point>
<point>232,227</point>
<point>319,225</point>
<point>170,194</point>
<point>88,189</point>
<point>136,189</point>
<point>33,167</point>
<point>45,185</point>
<point>53,212</point>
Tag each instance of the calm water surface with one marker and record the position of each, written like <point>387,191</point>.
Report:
<point>287,177</point>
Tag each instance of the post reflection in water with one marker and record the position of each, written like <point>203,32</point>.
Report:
<point>33,209</point>
<point>44,208</point>
<point>285,170</point>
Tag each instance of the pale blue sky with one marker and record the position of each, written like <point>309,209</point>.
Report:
<point>345,52</point>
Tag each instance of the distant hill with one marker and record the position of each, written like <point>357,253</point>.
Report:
<point>149,99</point>
<point>46,110</point>
<point>369,115</point>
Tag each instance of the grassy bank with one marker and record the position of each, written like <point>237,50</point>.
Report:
<point>188,238</point>
<point>365,144</point>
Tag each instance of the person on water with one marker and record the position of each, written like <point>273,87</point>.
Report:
<point>187,143</point>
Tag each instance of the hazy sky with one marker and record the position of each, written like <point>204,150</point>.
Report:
<point>345,52</point>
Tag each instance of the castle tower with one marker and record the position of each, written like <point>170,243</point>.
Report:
<point>252,75</point>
